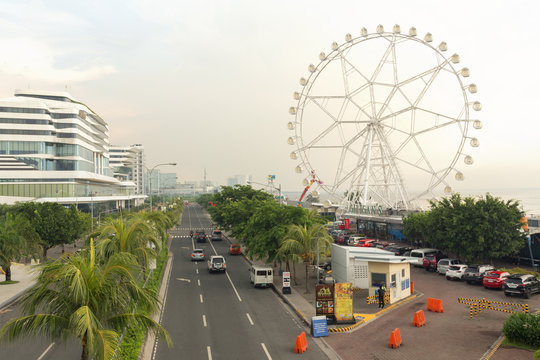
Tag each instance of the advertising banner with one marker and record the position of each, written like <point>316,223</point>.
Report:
<point>343,296</point>
<point>319,326</point>
<point>286,279</point>
<point>324,299</point>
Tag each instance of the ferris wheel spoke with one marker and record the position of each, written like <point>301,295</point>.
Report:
<point>324,110</point>
<point>382,61</point>
<point>321,135</point>
<point>360,108</point>
<point>355,69</point>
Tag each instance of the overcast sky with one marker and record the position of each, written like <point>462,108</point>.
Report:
<point>208,84</point>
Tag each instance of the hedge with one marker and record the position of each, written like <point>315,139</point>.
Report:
<point>523,328</point>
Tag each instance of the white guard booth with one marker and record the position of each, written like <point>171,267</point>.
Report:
<point>367,267</point>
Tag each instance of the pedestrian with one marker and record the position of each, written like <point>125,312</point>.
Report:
<point>382,293</point>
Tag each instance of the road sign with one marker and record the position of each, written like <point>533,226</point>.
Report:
<point>286,282</point>
<point>319,326</point>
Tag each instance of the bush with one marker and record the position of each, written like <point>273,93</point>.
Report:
<point>521,271</point>
<point>523,328</point>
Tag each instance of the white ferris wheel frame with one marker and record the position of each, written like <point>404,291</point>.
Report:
<point>382,181</point>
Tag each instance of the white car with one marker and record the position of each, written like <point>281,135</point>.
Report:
<point>455,272</point>
<point>444,264</point>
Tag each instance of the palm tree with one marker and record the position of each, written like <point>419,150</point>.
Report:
<point>16,240</point>
<point>158,221</point>
<point>77,296</point>
<point>301,242</point>
<point>132,236</point>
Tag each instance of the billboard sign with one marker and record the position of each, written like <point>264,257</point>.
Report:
<point>324,299</point>
<point>343,295</point>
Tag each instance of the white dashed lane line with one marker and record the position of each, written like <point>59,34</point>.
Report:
<point>200,296</point>
<point>249,318</point>
<point>204,320</point>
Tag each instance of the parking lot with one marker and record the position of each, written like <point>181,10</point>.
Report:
<point>450,335</point>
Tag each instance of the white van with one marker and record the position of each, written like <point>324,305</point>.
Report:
<point>419,254</point>
<point>261,275</point>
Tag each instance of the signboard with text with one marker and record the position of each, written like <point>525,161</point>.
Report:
<point>343,296</point>
<point>319,326</point>
<point>286,279</point>
<point>324,299</point>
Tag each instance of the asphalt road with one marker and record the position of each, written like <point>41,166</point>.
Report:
<point>221,315</point>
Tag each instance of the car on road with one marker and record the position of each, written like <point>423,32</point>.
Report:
<point>197,255</point>
<point>200,236</point>
<point>217,263</point>
<point>261,276</point>
<point>217,235</point>
<point>455,272</point>
<point>521,284</point>
<point>444,264</point>
<point>235,249</point>
<point>475,273</point>
<point>495,279</point>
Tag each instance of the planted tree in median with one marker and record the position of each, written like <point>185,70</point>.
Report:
<point>89,300</point>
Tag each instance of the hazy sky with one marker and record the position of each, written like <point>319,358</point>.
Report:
<point>208,84</point>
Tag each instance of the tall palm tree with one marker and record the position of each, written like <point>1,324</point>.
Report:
<point>132,236</point>
<point>158,221</point>
<point>301,242</point>
<point>77,296</point>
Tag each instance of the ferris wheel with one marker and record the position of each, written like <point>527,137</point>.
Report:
<point>384,119</point>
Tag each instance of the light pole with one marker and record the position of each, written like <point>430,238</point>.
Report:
<point>276,188</point>
<point>150,179</point>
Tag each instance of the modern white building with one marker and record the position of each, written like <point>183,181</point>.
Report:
<point>127,163</point>
<point>55,148</point>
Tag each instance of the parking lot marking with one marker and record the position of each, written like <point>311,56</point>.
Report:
<point>209,351</point>
<point>249,318</point>
<point>266,351</point>
<point>204,320</point>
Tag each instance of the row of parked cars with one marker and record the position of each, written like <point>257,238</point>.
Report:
<point>487,275</point>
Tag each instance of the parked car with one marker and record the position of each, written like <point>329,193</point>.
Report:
<point>420,254</point>
<point>475,273</point>
<point>429,262</point>
<point>217,263</point>
<point>398,249</point>
<point>495,279</point>
<point>455,272</point>
<point>382,244</point>
<point>444,264</point>
<point>326,279</point>
<point>197,255</point>
<point>365,243</point>
<point>521,284</point>
<point>200,236</point>
<point>261,276</point>
<point>235,249</point>
<point>217,235</point>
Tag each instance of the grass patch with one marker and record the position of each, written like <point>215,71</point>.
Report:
<point>8,282</point>
<point>518,345</point>
<point>134,337</point>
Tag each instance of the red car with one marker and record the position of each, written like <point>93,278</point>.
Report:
<point>365,243</point>
<point>495,279</point>
<point>234,249</point>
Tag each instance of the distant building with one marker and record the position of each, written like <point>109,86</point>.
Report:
<point>239,180</point>
<point>55,148</point>
<point>127,163</point>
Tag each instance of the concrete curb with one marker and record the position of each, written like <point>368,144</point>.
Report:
<point>12,299</point>
<point>292,306</point>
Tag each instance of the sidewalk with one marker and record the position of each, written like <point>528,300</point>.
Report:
<point>21,273</point>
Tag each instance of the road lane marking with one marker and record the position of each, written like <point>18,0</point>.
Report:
<point>200,296</point>
<point>249,318</point>
<point>266,351</point>
<point>196,271</point>
<point>198,282</point>
<point>45,352</point>
<point>204,320</point>
<point>209,351</point>
<point>234,288</point>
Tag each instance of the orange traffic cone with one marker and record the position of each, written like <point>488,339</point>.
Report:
<point>395,339</point>
<point>301,343</point>
<point>419,319</point>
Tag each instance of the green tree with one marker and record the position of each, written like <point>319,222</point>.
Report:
<point>17,240</point>
<point>301,242</point>
<point>76,296</point>
<point>133,236</point>
<point>54,224</point>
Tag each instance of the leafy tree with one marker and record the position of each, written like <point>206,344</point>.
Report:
<point>158,221</point>
<point>267,226</point>
<point>204,199</point>
<point>54,224</point>
<point>17,240</point>
<point>484,228</point>
<point>301,242</point>
<point>133,236</point>
<point>76,296</point>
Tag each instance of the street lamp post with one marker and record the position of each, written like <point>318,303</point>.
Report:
<point>150,179</point>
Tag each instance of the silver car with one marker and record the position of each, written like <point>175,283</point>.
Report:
<point>197,255</point>
<point>444,264</point>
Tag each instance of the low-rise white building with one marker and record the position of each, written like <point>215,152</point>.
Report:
<point>367,267</point>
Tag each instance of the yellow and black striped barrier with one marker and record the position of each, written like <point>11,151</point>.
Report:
<point>374,299</point>
<point>477,305</point>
